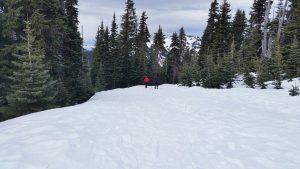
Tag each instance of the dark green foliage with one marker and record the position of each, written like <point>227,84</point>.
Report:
<point>114,54</point>
<point>173,60</point>
<point>249,79</point>
<point>223,34</point>
<point>293,60</point>
<point>100,83</point>
<point>257,13</point>
<point>158,50</point>
<point>210,74</point>
<point>142,53</point>
<point>293,26</point>
<point>294,91</point>
<point>262,70</point>
<point>74,74</point>
<point>209,35</point>
<point>32,89</point>
<point>238,28</point>
<point>188,74</point>
<point>128,36</point>
<point>277,66</point>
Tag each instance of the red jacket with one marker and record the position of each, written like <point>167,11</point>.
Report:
<point>146,79</point>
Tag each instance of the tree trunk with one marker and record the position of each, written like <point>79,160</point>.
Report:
<point>265,31</point>
<point>282,15</point>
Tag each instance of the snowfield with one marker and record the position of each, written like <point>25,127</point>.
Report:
<point>170,128</point>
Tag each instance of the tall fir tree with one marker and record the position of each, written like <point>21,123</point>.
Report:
<point>239,25</point>
<point>128,35</point>
<point>223,39</point>
<point>209,35</point>
<point>73,57</point>
<point>183,45</point>
<point>99,57</point>
<point>114,54</point>
<point>293,60</point>
<point>173,60</point>
<point>143,38</point>
<point>158,52</point>
<point>262,71</point>
<point>293,27</point>
<point>277,66</point>
<point>32,88</point>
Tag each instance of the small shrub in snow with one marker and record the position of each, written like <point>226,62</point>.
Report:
<point>294,91</point>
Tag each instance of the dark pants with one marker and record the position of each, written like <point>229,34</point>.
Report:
<point>156,86</point>
<point>146,85</point>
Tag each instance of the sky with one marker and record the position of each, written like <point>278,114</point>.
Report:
<point>170,14</point>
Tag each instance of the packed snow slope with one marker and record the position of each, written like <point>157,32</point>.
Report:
<point>170,128</point>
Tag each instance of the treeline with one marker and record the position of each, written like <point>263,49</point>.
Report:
<point>264,44</point>
<point>41,57</point>
<point>123,54</point>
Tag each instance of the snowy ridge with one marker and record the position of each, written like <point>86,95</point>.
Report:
<point>170,128</point>
<point>193,42</point>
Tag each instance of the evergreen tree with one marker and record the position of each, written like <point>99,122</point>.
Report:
<point>249,79</point>
<point>98,54</point>
<point>128,36</point>
<point>293,60</point>
<point>174,60</point>
<point>293,27</point>
<point>277,66</point>
<point>158,52</point>
<point>100,83</point>
<point>183,45</point>
<point>114,54</point>
<point>209,35</point>
<point>256,19</point>
<point>74,71</point>
<point>239,25</point>
<point>223,40</point>
<point>142,48</point>
<point>210,74</point>
<point>295,91</point>
<point>32,88</point>
<point>262,70</point>
<point>107,60</point>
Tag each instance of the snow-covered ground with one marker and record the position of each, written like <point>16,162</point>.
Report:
<point>170,128</point>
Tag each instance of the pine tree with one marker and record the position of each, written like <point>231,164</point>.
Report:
<point>209,35</point>
<point>98,53</point>
<point>293,60</point>
<point>294,91</point>
<point>158,51</point>
<point>183,45</point>
<point>128,36</point>
<point>32,88</point>
<point>114,54</point>
<point>174,60</point>
<point>74,71</point>
<point>239,25</point>
<point>223,39</point>
<point>262,70</point>
<point>256,19</point>
<point>100,83</point>
<point>249,79</point>
<point>142,48</point>
<point>293,27</point>
<point>277,66</point>
<point>210,74</point>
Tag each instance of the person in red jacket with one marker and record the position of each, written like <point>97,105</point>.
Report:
<point>146,81</point>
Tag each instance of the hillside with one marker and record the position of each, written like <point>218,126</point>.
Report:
<point>173,127</point>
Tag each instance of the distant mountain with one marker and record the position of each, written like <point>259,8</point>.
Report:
<point>193,42</point>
